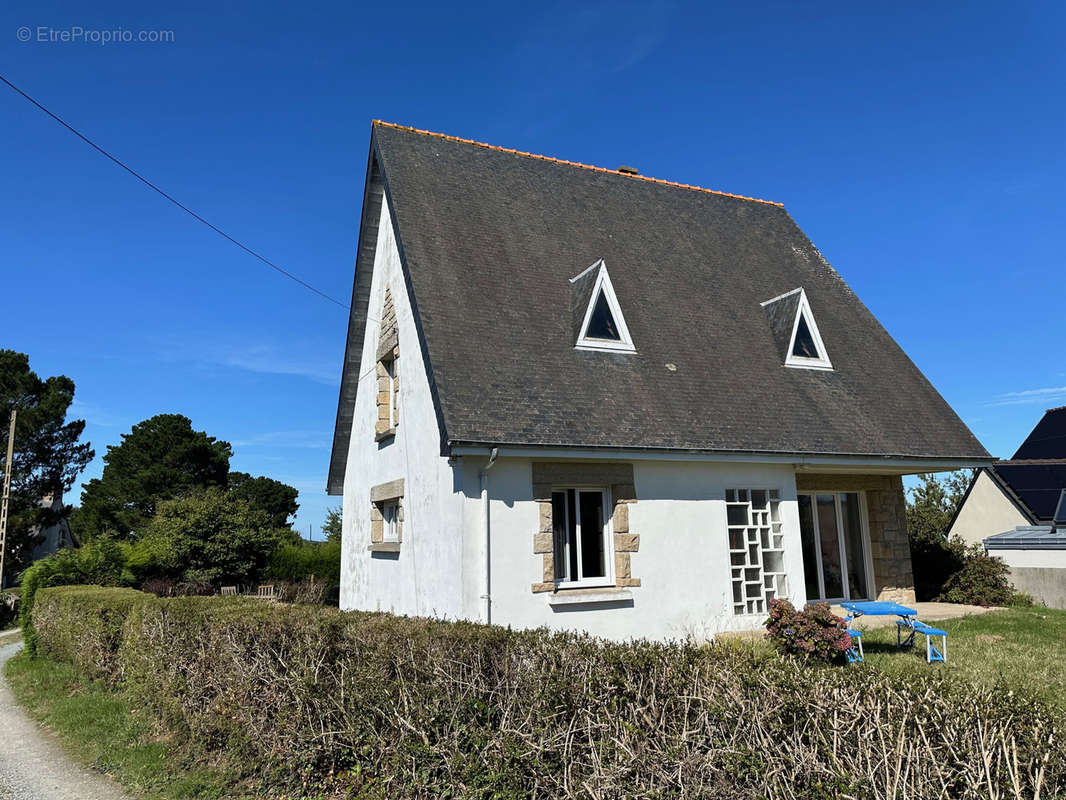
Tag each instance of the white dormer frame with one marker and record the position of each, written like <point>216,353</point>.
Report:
<point>603,283</point>
<point>803,311</point>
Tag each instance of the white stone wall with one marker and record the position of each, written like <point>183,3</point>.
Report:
<point>425,577</point>
<point>987,511</point>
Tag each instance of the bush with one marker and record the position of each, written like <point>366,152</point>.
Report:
<point>207,538</point>
<point>102,563</point>
<point>297,562</point>
<point>982,581</point>
<point>934,560</point>
<point>308,701</point>
<point>814,632</point>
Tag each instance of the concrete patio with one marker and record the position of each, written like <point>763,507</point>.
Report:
<point>927,612</point>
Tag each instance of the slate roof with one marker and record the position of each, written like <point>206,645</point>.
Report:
<point>489,240</point>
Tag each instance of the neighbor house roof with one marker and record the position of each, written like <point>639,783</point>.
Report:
<point>1034,483</point>
<point>489,240</point>
<point>1028,537</point>
<point>1047,439</point>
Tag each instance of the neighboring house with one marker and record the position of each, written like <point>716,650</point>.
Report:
<point>56,536</point>
<point>1022,491</point>
<point>1017,509</point>
<point>1036,555</point>
<point>583,398</point>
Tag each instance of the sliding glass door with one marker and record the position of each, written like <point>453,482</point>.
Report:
<point>834,546</point>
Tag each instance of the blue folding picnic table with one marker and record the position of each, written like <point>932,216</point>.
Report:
<point>908,619</point>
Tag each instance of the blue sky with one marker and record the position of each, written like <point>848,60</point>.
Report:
<point>921,149</point>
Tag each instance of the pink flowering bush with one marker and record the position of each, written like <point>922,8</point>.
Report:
<point>814,632</point>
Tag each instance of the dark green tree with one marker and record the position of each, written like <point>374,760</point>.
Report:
<point>277,499</point>
<point>48,455</point>
<point>160,459</point>
<point>930,508</point>
<point>210,537</point>
<point>332,526</point>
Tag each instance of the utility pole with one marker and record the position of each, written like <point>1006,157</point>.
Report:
<point>7,493</point>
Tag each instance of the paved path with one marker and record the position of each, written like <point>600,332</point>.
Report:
<point>33,766</point>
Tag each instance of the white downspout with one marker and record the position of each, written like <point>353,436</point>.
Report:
<point>484,476</point>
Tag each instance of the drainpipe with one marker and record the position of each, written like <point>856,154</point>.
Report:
<point>484,476</point>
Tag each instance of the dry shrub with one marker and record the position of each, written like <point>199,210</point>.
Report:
<point>309,700</point>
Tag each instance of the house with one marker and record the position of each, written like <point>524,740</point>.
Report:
<point>1021,491</point>
<point>55,536</point>
<point>1017,510</point>
<point>583,398</point>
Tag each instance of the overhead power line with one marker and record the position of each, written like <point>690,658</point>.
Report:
<point>169,197</point>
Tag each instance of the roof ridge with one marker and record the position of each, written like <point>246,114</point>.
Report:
<point>512,151</point>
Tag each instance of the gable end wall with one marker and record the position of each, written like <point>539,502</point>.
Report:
<point>424,574</point>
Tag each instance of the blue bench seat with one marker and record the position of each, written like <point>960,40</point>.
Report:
<point>932,651</point>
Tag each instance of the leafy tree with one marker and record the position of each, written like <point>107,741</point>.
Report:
<point>48,455</point>
<point>209,537</point>
<point>161,458</point>
<point>277,499</point>
<point>930,507</point>
<point>332,526</point>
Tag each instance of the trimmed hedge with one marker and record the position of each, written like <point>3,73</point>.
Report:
<point>304,699</point>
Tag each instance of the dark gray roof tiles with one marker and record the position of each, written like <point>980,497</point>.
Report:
<point>490,240</point>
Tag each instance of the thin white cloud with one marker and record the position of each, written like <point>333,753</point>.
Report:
<point>314,440</point>
<point>94,415</point>
<point>1050,394</point>
<point>266,359</point>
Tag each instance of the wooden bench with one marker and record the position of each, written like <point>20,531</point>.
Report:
<point>229,591</point>
<point>267,592</point>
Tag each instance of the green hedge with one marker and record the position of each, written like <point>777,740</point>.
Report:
<point>304,700</point>
<point>297,562</point>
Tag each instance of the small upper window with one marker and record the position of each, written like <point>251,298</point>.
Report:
<point>602,327</point>
<point>601,323</point>
<point>795,331</point>
<point>804,346</point>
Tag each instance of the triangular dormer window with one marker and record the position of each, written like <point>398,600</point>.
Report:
<point>601,324</point>
<point>791,316</point>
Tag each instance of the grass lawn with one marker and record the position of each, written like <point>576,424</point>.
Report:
<point>1018,647</point>
<point>103,729</point>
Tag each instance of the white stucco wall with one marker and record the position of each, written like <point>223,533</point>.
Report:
<point>1053,559</point>
<point>425,577</point>
<point>987,511</point>
<point>683,561</point>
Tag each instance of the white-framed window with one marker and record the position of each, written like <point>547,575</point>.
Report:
<point>806,349</point>
<point>836,545</point>
<point>390,524</point>
<point>603,327</point>
<point>582,542</point>
<point>756,549</point>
